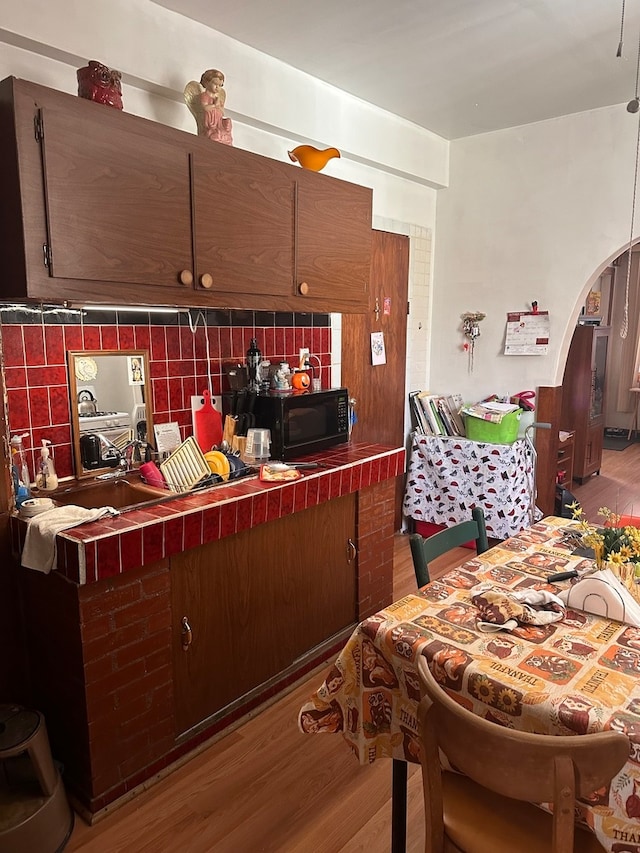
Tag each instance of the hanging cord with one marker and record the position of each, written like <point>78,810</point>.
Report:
<point>193,326</point>
<point>634,105</point>
<point>619,51</point>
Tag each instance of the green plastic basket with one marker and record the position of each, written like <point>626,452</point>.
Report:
<point>505,432</point>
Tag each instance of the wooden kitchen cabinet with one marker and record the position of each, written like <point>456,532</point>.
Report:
<point>243,223</point>
<point>256,602</point>
<point>333,241</point>
<point>102,206</point>
<point>583,397</point>
<point>99,207</point>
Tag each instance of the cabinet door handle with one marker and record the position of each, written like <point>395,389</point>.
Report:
<point>186,277</point>
<point>303,288</point>
<point>352,551</point>
<point>206,280</point>
<point>187,634</point>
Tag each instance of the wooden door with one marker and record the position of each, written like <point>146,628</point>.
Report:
<point>118,203</point>
<point>256,602</point>
<point>333,242</point>
<point>380,390</point>
<point>243,222</point>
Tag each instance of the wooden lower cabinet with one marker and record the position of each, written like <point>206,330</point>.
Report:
<point>257,601</point>
<point>105,663</point>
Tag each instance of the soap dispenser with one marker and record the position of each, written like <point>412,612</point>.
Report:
<point>46,478</point>
<point>20,469</point>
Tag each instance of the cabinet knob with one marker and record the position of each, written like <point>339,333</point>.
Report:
<point>206,280</point>
<point>303,288</point>
<point>186,277</point>
<point>187,634</point>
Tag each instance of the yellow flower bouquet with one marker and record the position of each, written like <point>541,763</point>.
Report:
<point>615,546</point>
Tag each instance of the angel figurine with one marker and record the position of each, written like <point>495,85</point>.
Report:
<point>206,102</point>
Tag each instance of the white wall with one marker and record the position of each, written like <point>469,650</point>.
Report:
<point>531,213</point>
<point>273,106</point>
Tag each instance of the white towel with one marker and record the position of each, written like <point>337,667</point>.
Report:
<point>40,550</point>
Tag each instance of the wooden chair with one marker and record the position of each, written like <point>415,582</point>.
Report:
<point>489,809</point>
<point>424,550</point>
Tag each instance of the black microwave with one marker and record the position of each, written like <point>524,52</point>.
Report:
<point>303,422</point>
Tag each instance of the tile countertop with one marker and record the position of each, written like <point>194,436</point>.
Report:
<point>110,546</point>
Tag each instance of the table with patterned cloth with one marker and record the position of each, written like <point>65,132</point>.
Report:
<point>448,476</point>
<point>578,675</point>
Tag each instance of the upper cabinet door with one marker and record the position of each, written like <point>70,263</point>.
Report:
<point>333,242</point>
<point>243,222</point>
<point>118,203</point>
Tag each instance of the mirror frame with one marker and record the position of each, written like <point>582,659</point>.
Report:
<point>80,471</point>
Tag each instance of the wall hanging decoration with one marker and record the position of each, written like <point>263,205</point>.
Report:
<point>527,332</point>
<point>312,158</point>
<point>471,330</point>
<point>206,101</point>
<point>98,83</point>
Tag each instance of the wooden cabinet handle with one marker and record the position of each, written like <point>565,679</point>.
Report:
<point>352,551</point>
<point>206,280</point>
<point>187,634</point>
<point>303,288</point>
<point>186,277</point>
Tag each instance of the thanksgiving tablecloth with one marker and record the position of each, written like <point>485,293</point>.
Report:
<point>579,675</point>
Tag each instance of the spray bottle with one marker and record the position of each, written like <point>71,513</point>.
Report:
<point>20,469</point>
<point>46,478</point>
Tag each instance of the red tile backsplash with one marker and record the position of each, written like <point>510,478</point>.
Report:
<point>13,346</point>
<point>34,344</point>
<point>35,355</point>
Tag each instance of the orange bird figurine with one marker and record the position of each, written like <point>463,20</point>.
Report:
<point>312,158</point>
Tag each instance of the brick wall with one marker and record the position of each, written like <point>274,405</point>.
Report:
<point>126,633</point>
<point>375,525</point>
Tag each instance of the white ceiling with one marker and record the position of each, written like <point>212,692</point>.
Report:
<point>456,67</point>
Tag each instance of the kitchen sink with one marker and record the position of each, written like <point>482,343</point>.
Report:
<point>120,492</point>
<point>129,491</point>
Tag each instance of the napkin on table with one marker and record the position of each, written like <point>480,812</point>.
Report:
<point>40,550</point>
<point>503,610</point>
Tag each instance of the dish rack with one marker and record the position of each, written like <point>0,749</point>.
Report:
<point>186,470</point>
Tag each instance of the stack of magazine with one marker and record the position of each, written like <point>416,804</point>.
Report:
<point>435,414</point>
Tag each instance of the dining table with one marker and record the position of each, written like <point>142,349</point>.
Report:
<point>578,675</point>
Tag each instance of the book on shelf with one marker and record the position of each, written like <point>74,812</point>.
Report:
<point>456,403</point>
<point>430,410</point>
<point>436,414</point>
<point>418,415</point>
<point>447,417</point>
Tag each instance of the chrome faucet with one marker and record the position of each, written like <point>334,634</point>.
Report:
<point>131,452</point>
<point>112,453</point>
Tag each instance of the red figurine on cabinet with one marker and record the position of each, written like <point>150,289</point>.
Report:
<point>98,83</point>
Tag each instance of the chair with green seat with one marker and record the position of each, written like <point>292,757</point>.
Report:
<point>424,550</point>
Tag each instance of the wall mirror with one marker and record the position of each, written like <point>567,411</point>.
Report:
<point>110,396</point>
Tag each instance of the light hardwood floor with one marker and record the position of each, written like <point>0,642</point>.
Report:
<point>266,787</point>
